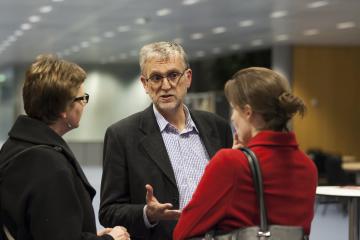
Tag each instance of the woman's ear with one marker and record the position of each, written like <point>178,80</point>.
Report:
<point>247,110</point>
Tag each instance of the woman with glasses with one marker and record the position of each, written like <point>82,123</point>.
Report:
<point>44,193</point>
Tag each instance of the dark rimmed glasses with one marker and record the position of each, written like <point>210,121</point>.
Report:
<point>84,98</point>
<point>173,78</point>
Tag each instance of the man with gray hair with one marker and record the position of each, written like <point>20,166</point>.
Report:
<point>154,159</point>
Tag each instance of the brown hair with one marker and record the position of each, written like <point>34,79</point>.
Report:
<point>50,85</point>
<point>268,94</point>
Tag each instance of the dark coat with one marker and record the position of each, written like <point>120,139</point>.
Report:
<point>135,155</point>
<point>44,192</point>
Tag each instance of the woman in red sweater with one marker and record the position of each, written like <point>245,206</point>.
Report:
<point>225,198</point>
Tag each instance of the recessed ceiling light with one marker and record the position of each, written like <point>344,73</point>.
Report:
<point>95,39</point>
<point>190,2</point>
<point>124,28</point>
<point>178,40</point>
<point>109,34</point>
<point>12,39</point>
<point>163,12</point>
<point>311,32</point>
<point>34,19</point>
<point>142,20</point>
<point>85,44</point>
<point>246,23</point>
<point>219,30</point>
<point>75,49</point>
<point>216,50</point>
<point>196,36</point>
<point>200,54</point>
<point>257,42</point>
<point>18,33</point>
<point>123,56</point>
<point>345,25</point>
<point>278,14</point>
<point>57,0</point>
<point>235,47</point>
<point>45,9</point>
<point>282,37</point>
<point>25,26</point>
<point>317,4</point>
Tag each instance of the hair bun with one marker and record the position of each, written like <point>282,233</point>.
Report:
<point>291,104</point>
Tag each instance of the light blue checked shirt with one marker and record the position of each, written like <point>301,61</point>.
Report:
<point>187,154</point>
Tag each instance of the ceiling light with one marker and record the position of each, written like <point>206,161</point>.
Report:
<point>190,2</point>
<point>123,28</point>
<point>45,9</point>
<point>235,47</point>
<point>109,34</point>
<point>282,37</point>
<point>95,39</point>
<point>66,52</point>
<point>12,39</point>
<point>345,25</point>
<point>163,12</point>
<point>85,44</point>
<point>219,30</point>
<point>18,33</point>
<point>278,14</point>
<point>25,26</point>
<point>57,0</point>
<point>257,42</point>
<point>200,54</point>
<point>311,32</point>
<point>317,4</point>
<point>141,21</point>
<point>246,23</point>
<point>178,40</point>
<point>75,49</point>
<point>196,36</point>
<point>123,56</point>
<point>2,78</point>
<point>216,50</point>
<point>34,19</point>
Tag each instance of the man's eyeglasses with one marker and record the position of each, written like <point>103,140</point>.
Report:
<point>84,98</point>
<point>173,78</point>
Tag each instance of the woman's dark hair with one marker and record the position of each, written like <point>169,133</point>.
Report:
<point>50,86</point>
<point>268,94</point>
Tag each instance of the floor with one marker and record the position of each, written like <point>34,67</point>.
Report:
<point>330,221</point>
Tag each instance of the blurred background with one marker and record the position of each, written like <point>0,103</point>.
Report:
<point>315,44</point>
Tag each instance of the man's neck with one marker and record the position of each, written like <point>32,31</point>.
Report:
<point>177,117</point>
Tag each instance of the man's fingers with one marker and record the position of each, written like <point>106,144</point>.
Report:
<point>149,192</point>
<point>171,214</point>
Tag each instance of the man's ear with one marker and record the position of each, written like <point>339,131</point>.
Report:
<point>63,115</point>
<point>144,83</point>
<point>188,76</point>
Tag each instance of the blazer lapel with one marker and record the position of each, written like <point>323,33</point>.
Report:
<point>207,134</point>
<point>154,145</point>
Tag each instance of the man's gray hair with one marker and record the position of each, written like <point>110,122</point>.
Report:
<point>161,50</point>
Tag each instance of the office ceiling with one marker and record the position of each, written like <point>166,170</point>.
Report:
<point>110,31</point>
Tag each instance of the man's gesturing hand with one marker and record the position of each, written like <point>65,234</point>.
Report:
<point>156,211</point>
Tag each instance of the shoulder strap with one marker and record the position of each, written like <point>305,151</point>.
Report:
<point>258,185</point>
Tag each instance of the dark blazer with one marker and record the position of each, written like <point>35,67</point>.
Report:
<point>44,192</point>
<point>135,155</point>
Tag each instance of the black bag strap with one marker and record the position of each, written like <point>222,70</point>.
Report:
<point>258,185</point>
<point>3,167</point>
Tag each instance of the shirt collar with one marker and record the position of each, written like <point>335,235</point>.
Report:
<point>163,123</point>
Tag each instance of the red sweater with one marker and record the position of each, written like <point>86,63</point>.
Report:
<point>225,196</point>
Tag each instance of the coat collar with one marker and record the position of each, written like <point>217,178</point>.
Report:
<point>154,145</point>
<point>36,132</point>
<point>273,138</point>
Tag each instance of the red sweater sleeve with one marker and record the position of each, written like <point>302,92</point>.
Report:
<point>210,200</point>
